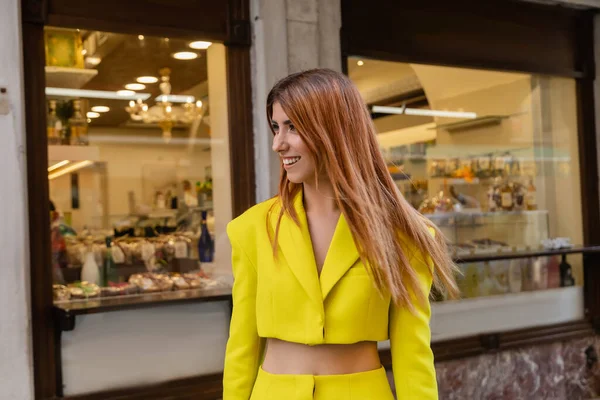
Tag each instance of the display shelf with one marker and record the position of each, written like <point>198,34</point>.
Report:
<point>508,255</point>
<point>66,311</point>
<point>68,78</point>
<point>73,153</point>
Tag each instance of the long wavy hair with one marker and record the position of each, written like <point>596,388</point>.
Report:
<point>330,116</point>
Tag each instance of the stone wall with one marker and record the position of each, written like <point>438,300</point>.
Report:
<point>288,36</point>
<point>16,381</point>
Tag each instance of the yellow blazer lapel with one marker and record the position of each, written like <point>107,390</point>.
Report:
<point>296,246</point>
<point>342,255</point>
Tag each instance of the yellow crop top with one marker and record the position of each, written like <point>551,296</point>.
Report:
<point>285,298</point>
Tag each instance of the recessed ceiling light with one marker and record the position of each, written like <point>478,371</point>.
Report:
<point>200,45</point>
<point>141,37</point>
<point>185,55</point>
<point>135,86</point>
<point>101,109</point>
<point>93,60</point>
<point>91,114</point>
<point>147,79</point>
<point>360,63</point>
<point>89,121</point>
<point>125,92</point>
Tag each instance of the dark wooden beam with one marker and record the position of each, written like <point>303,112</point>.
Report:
<point>39,211</point>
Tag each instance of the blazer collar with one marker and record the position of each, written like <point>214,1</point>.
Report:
<point>296,245</point>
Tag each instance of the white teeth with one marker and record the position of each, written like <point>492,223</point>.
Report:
<point>290,161</point>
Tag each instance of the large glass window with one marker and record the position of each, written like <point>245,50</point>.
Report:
<point>138,164</point>
<point>491,158</point>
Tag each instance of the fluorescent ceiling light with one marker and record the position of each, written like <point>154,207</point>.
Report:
<point>92,114</point>
<point>58,165</point>
<point>125,93</point>
<point>423,112</point>
<point>70,168</point>
<point>96,94</point>
<point>93,60</point>
<point>100,109</point>
<point>135,86</point>
<point>185,55</point>
<point>175,98</point>
<point>200,45</point>
<point>147,79</point>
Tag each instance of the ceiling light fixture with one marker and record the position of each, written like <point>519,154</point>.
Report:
<point>96,94</point>
<point>93,61</point>
<point>185,55</point>
<point>175,98</point>
<point>141,37</point>
<point>58,165</point>
<point>70,168</point>
<point>125,93</point>
<point>423,112</point>
<point>147,79</point>
<point>200,45</point>
<point>360,63</point>
<point>92,114</point>
<point>164,113</point>
<point>135,86</point>
<point>101,109</point>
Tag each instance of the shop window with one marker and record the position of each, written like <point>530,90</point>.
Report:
<point>138,163</point>
<point>492,159</point>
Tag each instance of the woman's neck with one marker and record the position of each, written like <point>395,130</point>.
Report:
<point>320,199</point>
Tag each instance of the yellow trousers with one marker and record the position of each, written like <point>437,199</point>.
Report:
<point>369,385</point>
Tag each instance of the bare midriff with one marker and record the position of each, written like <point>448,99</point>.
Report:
<point>326,359</point>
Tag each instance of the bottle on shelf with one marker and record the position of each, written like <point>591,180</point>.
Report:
<point>53,125</point>
<point>520,193</point>
<point>90,271</point>
<point>79,126</point>
<point>515,275</point>
<point>507,193</point>
<point>110,270</point>
<point>531,197</point>
<point>566,273</point>
<point>206,246</point>
<point>554,275</point>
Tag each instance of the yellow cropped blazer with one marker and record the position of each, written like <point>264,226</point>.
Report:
<point>285,298</point>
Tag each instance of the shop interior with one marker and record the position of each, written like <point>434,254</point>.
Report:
<point>491,158</point>
<point>135,141</point>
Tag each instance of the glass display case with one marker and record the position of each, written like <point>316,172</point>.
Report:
<point>492,159</point>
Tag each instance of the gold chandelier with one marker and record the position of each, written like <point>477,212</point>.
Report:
<point>164,113</point>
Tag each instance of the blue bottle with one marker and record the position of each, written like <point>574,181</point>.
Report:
<point>206,245</point>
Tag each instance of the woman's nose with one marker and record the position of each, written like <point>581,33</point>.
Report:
<point>279,144</point>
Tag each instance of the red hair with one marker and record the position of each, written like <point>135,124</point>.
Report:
<point>330,116</point>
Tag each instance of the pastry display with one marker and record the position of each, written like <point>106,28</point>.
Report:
<point>83,290</point>
<point>61,292</point>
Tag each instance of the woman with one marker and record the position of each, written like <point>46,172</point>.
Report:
<point>336,262</point>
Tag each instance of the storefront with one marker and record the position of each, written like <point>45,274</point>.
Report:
<point>485,113</point>
<point>517,79</point>
<point>140,149</point>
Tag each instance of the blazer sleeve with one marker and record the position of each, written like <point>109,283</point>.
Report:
<point>410,342</point>
<point>244,346</point>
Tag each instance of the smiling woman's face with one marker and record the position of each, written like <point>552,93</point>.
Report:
<point>292,150</point>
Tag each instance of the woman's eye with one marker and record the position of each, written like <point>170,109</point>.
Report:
<point>275,128</point>
<point>292,128</point>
